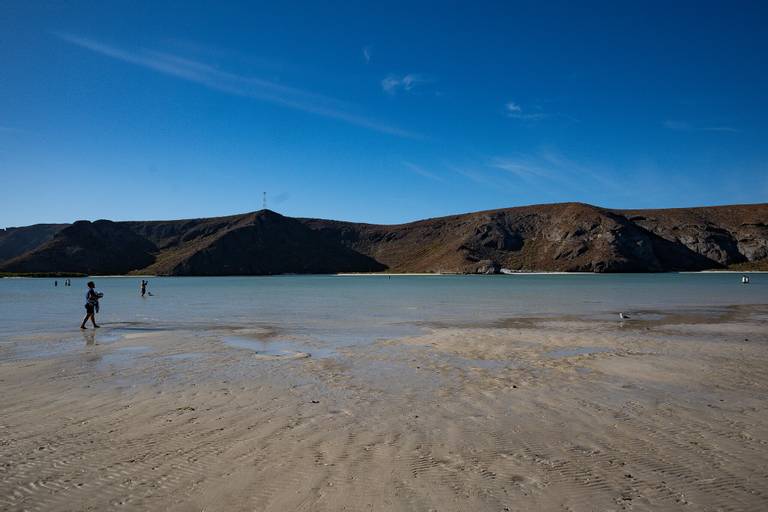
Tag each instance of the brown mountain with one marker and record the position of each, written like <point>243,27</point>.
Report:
<point>101,247</point>
<point>565,237</point>
<point>557,237</point>
<point>727,235</point>
<point>258,243</point>
<point>16,241</point>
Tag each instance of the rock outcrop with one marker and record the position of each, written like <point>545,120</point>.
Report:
<point>726,235</point>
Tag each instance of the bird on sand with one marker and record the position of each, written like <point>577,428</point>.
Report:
<point>624,316</point>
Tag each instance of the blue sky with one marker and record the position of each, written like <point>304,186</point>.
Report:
<point>378,113</point>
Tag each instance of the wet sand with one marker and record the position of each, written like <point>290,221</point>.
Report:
<point>663,412</point>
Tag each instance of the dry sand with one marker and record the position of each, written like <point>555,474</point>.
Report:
<point>659,413</point>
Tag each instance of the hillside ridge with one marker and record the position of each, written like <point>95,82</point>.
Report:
<point>545,237</point>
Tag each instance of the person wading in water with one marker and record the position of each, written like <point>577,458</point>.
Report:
<point>91,305</point>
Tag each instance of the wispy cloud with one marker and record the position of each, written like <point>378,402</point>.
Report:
<point>234,84</point>
<point>10,129</point>
<point>417,169</point>
<point>367,54</point>
<point>549,170</point>
<point>515,111</point>
<point>520,166</point>
<point>480,178</point>
<point>394,83</point>
<point>682,126</point>
<point>584,177</point>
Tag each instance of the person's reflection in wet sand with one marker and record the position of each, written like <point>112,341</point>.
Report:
<point>91,355</point>
<point>89,337</point>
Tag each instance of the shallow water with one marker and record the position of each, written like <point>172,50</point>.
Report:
<point>275,349</point>
<point>577,351</point>
<point>121,357</point>
<point>352,310</point>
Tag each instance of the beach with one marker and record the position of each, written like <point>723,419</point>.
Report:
<point>466,410</point>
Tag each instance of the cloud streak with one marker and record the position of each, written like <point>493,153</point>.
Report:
<point>520,167</point>
<point>417,169</point>
<point>394,83</point>
<point>548,170</point>
<point>237,85</point>
<point>682,126</point>
<point>515,111</point>
<point>10,129</point>
<point>480,178</point>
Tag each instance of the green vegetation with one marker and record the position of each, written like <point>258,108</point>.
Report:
<point>42,274</point>
<point>750,265</point>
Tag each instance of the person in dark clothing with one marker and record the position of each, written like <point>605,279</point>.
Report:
<point>91,305</point>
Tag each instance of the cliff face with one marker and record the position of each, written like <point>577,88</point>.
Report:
<point>557,237</point>
<point>727,235</point>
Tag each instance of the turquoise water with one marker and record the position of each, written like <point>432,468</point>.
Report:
<point>351,309</point>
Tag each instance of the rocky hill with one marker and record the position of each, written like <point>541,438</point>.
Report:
<point>101,247</point>
<point>260,243</point>
<point>16,241</point>
<point>555,237</point>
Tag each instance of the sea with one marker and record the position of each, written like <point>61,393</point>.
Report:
<point>344,310</point>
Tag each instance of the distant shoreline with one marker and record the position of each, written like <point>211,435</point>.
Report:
<point>54,275</point>
<point>38,275</point>
<point>348,274</point>
<point>723,272</point>
<point>548,273</point>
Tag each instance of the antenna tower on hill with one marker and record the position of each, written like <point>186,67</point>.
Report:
<point>264,201</point>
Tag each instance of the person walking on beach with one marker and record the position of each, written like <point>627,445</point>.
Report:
<point>143,287</point>
<point>91,305</point>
